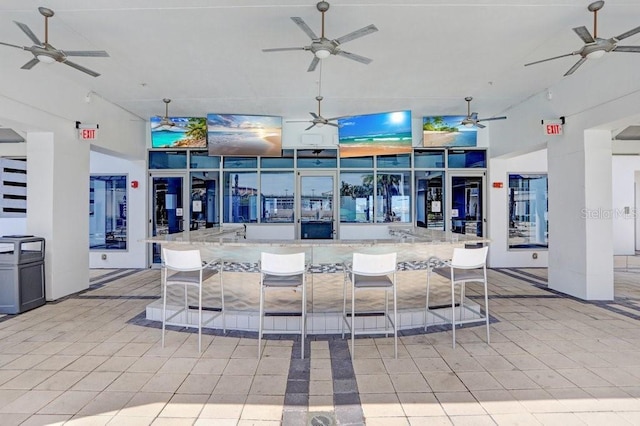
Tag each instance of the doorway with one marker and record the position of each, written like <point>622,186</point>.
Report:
<point>316,205</point>
<point>167,208</point>
<point>467,204</point>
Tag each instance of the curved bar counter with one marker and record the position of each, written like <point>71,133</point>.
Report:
<point>325,281</point>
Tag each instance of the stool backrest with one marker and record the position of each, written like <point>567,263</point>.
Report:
<point>464,258</point>
<point>374,264</point>
<point>282,264</point>
<point>182,259</point>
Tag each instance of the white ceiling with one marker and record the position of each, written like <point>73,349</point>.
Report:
<point>206,55</point>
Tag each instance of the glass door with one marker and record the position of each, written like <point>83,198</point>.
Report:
<point>467,204</point>
<point>204,200</point>
<point>316,205</point>
<point>167,195</point>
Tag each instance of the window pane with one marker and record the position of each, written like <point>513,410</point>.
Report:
<point>202,160</point>
<point>528,207</point>
<point>461,159</point>
<point>108,212</point>
<point>240,197</point>
<point>317,158</point>
<point>240,162</point>
<point>356,163</point>
<point>356,197</point>
<point>276,202</point>
<point>393,197</point>
<point>429,159</point>
<point>400,161</point>
<point>167,159</point>
<point>286,162</point>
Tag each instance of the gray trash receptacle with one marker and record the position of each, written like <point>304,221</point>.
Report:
<point>21,273</point>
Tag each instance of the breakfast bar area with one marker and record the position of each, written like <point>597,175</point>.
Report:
<point>325,259</point>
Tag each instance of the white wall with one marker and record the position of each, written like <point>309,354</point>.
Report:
<point>136,254</point>
<point>624,203</point>
<point>499,169</point>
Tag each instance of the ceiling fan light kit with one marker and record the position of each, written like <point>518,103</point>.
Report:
<point>323,47</point>
<point>44,52</point>
<point>594,46</point>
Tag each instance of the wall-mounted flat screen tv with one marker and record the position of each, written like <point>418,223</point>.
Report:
<point>235,134</point>
<point>178,132</point>
<point>375,134</point>
<point>447,130</point>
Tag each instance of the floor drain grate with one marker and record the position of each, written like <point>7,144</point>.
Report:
<point>322,419</point>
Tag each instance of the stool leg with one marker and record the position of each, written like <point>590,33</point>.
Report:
<point>395,317</point>
<point>486,304</point>
<point>453,310</point>
<point>260,320</point>
<point>303,322</point>
<point>200,315</point>
<point>164,308</point>
<point>344,302</point>
<point>224,315</point>
<point>386,313</point>
<point>426,307</point>
<point>353,317</point>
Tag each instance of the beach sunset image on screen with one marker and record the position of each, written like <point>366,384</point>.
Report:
<point>375,134</point>
<point>239,135</point>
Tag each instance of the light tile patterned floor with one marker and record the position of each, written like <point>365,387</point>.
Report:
<point>92,359</point>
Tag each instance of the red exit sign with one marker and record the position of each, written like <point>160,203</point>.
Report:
<point>88,134</point>
<point>552,128</point>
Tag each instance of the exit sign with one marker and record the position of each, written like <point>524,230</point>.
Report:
<point>552,128</point>
<point>88,134</point>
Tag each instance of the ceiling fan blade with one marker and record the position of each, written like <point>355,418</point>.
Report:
<point>631,49</point>
<point>575,67</point>
<point>474,116</point>
<point>313,124</point>
<point>493,118</point>
<point>91,53</point>
<point>333,124</point>
<point>313,64</point>
<point>356,34</point>
<point>354,57</point>
<point>32,63</point>
<point>628,34</point>
<point>314,115</point>
<point>25,29</point>
<point>304,27</point>
<point>480,126</point>
<point>81,68</point>
<point>549,59</point>
<point>584,34</point>
<point>282,49</point>
<point>12,45</point>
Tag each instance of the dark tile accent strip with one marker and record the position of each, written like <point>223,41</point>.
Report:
<point>296,397</point>
<point>107,274</point>
<point>346,398</point>
<point>102,282</point>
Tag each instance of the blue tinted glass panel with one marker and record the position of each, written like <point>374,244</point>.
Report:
<point>317,158</point>
<point>108,213</point>
<point>285,162</point>
<point>167,159</point>
<point>240,197</point>
<point>356,197</point>
<point>460,159</point>
<point>429,159</point>
<point>240,162</point>
<point>356,163</point>
<point>276,197</point>
<point>202,160</point>
<point>400,161</point>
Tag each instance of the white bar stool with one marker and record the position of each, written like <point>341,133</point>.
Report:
<point>466,266</point>
<point>278,272</point>
<point>185,268</point>
<point>371,272</point>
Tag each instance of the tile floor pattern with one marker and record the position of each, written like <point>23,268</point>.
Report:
<point>88,359</point>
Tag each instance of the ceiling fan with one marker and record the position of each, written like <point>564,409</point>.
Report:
<point>322,47</point>
<point>594,46</point>
<point>318,119</point>
<point>165,121</point>
<point>46,53</point>
<point>472,117</point>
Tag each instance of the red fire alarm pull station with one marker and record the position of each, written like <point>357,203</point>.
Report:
<point>134,184</point>
<point>498,184</point>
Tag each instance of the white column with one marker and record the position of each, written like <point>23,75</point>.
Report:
<point>58,208</point>
<point>580,215</point>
